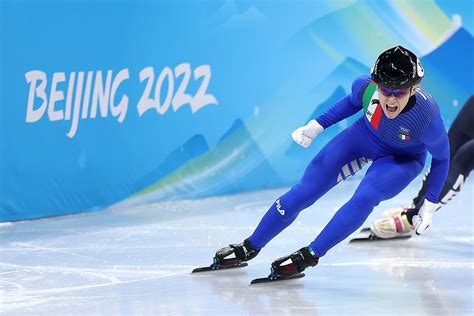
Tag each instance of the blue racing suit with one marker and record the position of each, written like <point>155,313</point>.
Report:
<point>397,148</point>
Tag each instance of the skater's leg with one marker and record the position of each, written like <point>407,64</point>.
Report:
<point>386,177</point>
<point>457,145</point>
<point>424,188</point>
<point>459,134</point>
<point>340,158</point>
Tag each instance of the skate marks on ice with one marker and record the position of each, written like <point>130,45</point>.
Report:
<point>62,266</point>
<point>139,261</point>
<point>23,287</point>
<point>231,289</point>
<point>439,282</point>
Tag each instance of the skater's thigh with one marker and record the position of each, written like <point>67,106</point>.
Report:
<point>340,158</point>
<point>388,176</point>
<point>464,157</point>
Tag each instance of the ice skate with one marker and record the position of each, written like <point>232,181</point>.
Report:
<point>397,210</point>
<point>295,263</point>
<point>394,224</point>
<point>232,256</point>
<point>236,253</point>
<point>291,266</point>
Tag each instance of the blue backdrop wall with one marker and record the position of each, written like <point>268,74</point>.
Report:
<point>105,102</point>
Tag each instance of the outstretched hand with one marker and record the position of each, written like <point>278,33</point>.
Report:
<point>422,221</point>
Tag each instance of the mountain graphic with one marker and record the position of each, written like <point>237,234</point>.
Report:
<point>340,82</point>
<point>192,148</point>
<point>364,28</point>
<point>453,62</point>
<point>234,165</point>
<point>448,73</point>
<point>304,155</point>
<point>360,31</point>
<point>463,8</point>
<point>343,75</point>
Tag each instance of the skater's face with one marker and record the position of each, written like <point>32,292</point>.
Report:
<point>393,101</point>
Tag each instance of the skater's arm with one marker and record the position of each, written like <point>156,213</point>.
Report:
<point>347,106</point>
<point>436,140</point>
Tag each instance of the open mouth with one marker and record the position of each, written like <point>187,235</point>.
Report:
<point>391,108</point>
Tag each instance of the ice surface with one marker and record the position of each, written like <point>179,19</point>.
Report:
<point>138,261</point>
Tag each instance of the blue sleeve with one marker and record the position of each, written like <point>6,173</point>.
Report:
<point>347,106</point>
<point>437,143</point>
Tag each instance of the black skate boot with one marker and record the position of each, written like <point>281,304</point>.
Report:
<point>235,254</point>
<point>294,264</point>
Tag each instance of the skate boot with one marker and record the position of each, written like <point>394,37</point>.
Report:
<point>235,254</point>
<point>294,264</point>
<point>394,224</point>
<point>397,210</point>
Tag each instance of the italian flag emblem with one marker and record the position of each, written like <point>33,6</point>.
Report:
<point>371,105</point>
<point>374,113</point>
<point>404,136</point>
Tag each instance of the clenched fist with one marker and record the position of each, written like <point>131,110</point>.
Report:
<point>305,135</point>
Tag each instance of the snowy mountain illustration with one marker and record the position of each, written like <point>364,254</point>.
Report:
<point>192,148</point>
<point>365,30</point>
<point>304,155</point>
<point>448,72</point>
<point>454,62</point>
<point>342,76</point>
<point>339,81</point>
<point>236,163</point>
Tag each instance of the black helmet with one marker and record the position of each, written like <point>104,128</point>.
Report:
<point>397,67</point>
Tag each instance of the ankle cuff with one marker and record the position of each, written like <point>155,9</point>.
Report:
<point>309,256</point>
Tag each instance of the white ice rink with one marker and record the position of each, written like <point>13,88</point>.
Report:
<point>138,261</point>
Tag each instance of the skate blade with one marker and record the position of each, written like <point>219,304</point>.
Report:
<point>372,238</point>
<point>217,268</point>
<point>278,279</point>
